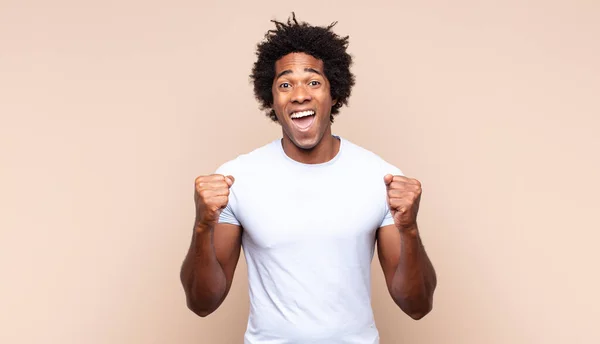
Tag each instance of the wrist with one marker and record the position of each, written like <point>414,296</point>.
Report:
<point>410,230</point>
<point>201,227</point>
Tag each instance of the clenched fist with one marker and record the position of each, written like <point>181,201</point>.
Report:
<point>211,196</point>
<point>404,195</point>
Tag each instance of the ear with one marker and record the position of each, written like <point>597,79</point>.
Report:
<point>334,102</point>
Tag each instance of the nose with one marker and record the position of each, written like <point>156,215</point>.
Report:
<point>300,95</point>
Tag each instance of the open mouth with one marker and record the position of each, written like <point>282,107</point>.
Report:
<point>303,119</point>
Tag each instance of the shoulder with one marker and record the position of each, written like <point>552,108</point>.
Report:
<point>366,159</point>
<point>245,162</point>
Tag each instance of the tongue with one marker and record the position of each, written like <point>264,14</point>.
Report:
<point>304,122</point>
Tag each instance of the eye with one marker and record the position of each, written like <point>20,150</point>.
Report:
<point>314,83</point>
<point>284,85</point>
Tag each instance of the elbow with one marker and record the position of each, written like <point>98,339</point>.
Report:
<point>201,306</point>
<point>418,314</point>
<point>196,305</point>
<point>415,302</point>
<point>416,308</point>
<point>201,313</point>
<point>196,309</point>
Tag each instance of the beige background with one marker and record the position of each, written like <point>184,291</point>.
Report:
<point>110,109</point>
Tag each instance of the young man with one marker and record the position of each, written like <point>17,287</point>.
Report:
<point>308,209</point>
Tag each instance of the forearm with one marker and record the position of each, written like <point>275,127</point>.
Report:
<point>202,276</point>
<point>415,278</point>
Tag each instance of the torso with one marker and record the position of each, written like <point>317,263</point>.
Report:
<point>309,234</point>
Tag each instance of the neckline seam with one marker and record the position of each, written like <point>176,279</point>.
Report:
<point>279,143</point>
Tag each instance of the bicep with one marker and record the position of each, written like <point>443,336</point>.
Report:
<point>227,241</point>
<point>388,251</point>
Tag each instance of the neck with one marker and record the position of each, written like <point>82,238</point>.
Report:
<point>323,152</point>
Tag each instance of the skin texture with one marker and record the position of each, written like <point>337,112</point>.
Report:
<point>209,266</point>
<point>409,274</point>
<point>208,269</point>
<point>300,84</point>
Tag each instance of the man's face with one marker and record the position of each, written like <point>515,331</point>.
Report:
<point>301,99</point>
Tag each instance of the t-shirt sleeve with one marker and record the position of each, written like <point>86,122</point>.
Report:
<point>388,219</point>
<point>228,214</point>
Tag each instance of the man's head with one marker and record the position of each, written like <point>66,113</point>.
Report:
<point>302,67</point>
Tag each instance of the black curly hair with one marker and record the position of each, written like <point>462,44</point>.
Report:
<point>320,42</point>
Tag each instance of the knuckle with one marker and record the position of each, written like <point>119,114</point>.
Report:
<point>204,194</point>
<point>201,178</point>
<point>213,205</point>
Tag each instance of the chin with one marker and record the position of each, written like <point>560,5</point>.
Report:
<point>306,143</point>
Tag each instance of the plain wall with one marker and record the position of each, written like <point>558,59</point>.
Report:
<point>110,109</point>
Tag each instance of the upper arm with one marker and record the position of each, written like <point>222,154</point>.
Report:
<point>388,251</point>
<point>227,241</point>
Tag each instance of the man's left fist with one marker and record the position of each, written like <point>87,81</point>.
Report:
<point>403,195</point>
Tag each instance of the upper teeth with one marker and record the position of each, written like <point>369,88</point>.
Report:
<point>303,114</point>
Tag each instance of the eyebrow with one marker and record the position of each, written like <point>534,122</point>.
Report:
<point>289,71</point>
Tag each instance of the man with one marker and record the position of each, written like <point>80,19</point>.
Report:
<point>308,209</point>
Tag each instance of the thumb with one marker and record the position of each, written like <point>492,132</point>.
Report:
<point>230,180</point>
<point>387,179</point>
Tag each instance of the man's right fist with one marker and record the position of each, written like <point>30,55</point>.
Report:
<point>211,196</point>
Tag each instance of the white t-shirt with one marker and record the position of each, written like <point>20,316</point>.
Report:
<point>308,238</point>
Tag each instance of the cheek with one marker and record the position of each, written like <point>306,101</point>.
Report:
<point>326,103</point>
<point>279,99</point>
<point>325,96</point>
<point>278,106</point>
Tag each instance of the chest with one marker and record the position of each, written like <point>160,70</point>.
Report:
<point>280,213</point>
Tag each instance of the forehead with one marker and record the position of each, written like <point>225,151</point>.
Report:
<point>298,61</point>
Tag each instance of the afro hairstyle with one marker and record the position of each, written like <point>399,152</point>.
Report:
<point>300,37</point>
